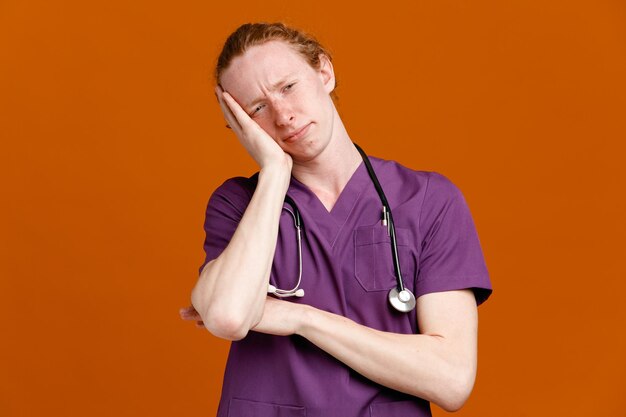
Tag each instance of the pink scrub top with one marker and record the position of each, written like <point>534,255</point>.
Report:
<point>347,270</point>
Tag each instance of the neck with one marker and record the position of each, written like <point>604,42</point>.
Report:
<point>328,173</point>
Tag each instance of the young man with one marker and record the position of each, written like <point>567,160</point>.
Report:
<point>341,349</point>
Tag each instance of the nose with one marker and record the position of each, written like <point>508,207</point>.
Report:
<point>283,113</point>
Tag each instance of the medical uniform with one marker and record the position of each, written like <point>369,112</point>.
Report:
<point>347,270</point>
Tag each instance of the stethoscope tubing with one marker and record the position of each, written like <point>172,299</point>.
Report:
<point>399,297</point>
<point>297,220</point>
<point>391,228</point>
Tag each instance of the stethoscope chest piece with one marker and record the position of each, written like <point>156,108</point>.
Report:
<point>403,301</point>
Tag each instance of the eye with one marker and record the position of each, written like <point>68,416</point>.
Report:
<point>289,86</point>
<point>257,109</point>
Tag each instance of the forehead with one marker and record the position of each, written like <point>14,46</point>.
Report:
<point>262,66</point>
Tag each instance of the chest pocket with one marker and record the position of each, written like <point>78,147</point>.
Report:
<point>373,262</point>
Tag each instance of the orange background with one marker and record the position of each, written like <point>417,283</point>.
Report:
<point>112,143</point>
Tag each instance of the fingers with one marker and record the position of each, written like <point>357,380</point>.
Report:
<point>236,115</point>
<point>189,313</point>
<point>231,120</point>
<point>218,95</point>
<point>240,115</point>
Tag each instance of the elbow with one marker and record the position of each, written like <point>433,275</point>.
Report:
<point>223,325</point>
<point>458,390</point>
<point>222,316</point>
<point>226,327</point>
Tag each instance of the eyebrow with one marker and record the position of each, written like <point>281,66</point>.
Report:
<point>273,87</point>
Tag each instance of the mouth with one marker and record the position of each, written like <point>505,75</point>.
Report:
<point>297,134</point>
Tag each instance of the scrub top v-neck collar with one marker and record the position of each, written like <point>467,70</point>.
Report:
<point>330,224</point>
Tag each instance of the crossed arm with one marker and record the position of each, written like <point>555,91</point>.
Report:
<point>438,365</point>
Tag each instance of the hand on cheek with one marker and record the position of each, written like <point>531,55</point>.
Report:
<point>258,143</point>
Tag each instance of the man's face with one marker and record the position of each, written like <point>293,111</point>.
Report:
<point>284,95</point>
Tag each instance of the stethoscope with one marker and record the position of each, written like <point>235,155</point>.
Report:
<point>401,298</point>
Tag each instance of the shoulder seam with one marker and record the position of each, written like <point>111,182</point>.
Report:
<point>219,192</point>
<point>419,220</point>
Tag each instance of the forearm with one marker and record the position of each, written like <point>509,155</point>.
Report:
<point>426,366</point>
<point>231,290</point>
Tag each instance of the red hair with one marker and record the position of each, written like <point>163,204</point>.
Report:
<point>251,34</point>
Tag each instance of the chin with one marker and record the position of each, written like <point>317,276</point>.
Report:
<point>312,150</point>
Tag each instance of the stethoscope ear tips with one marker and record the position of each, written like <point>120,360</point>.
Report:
<point>282,293</point>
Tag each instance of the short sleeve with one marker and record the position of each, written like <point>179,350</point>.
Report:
<point>451,256</point>
<point>223,213</point>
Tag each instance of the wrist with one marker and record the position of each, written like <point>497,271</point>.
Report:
<point>275,173</point>
<point>277,167</point>
<point>305,319</point>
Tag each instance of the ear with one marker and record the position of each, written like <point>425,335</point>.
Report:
<point>327,73</point>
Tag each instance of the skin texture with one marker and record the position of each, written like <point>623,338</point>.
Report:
<point>266,95</point>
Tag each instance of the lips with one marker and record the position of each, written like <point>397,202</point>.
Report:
<point>297,134</point>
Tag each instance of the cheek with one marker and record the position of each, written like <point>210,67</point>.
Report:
<point>320,97</point>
